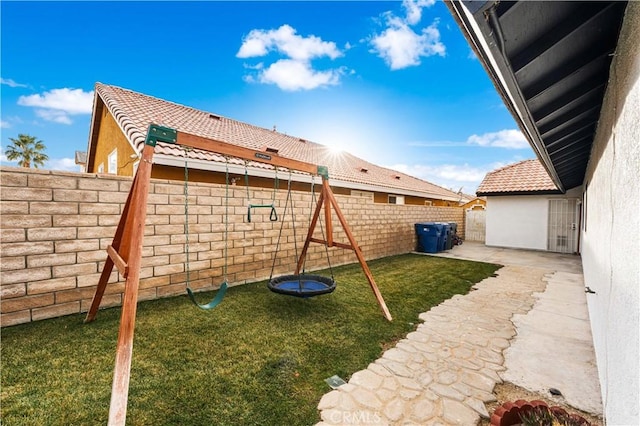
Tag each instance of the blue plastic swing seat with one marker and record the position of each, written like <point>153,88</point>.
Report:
<point>302,285</point>
<point>216,300</point>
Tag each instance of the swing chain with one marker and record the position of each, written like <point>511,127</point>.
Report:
<point>186,211</point>
<point>226,217</point>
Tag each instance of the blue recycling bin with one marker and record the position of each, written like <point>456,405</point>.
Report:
<point>428,236</point>
<point>442,238</point>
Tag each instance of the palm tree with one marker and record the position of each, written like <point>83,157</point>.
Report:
<point>27,150</point>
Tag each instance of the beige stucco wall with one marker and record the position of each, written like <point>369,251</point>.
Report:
<point>610,237</point>
<point>55,227</point>
<point>521,221</point>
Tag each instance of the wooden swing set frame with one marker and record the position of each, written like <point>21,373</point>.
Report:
<point>125,251</point>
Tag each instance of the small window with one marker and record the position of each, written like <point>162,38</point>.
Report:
<point>428,203</point>
<point>112,164</point>
<point>101,168</point>
<point>396,199</point>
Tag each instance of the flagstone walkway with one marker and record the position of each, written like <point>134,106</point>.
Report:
<point>444,372</point>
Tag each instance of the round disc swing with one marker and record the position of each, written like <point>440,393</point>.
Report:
<point>223,287</point>
<point>299,285</point>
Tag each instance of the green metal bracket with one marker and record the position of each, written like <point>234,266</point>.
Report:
<point>323,171</point>
<point>157,134</point>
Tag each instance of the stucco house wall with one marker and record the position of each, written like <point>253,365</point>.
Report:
<point>517,221</point>
<point>520,221</point>
<point>611,247</point>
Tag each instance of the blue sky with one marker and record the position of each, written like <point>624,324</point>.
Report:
<point>392,82</point>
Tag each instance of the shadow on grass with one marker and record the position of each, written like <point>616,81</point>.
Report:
<point>259,358</point>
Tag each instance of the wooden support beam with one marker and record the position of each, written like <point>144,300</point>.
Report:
<point>327,213</point>
<point>224,148</point>
<point>118,261</point>
<point>312,227</point>
<point>124,348</point>
<point>334,244</point>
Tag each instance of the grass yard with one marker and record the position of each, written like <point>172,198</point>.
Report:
<point>257,359</point>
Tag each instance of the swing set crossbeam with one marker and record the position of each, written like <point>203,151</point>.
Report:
<point>125,251</point>
<point>224,148</point>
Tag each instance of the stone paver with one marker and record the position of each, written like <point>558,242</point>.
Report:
<point>446,370</point>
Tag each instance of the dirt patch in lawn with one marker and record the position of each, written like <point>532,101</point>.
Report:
<point>508,392</point>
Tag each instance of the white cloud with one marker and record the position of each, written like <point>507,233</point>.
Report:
<point>451,176</point>
<point>508,138</point>
<point>71,101</point>
<point>54,115</point>
<point>294,72</point>
<point>65,164</point>
<point>414,9</point>
<point>293,75</point>
<point>401,47</point>
<point>11,83</point>
<point>58,105</point>
<point>4,124</point>
<point>285,41</point>
<point>450,172</point>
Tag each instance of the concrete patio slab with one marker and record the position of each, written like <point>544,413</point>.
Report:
<point>506,256</point>
<point>553,347</point>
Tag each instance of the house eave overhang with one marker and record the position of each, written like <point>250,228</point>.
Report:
<point>212,166</point>
<point>510,193</point>
<point>549,61</point>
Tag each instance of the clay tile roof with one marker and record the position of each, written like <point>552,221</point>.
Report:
<point>134,112</point>
<point>528,176</point>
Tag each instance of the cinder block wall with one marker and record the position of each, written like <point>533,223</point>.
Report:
<point>56,227</point>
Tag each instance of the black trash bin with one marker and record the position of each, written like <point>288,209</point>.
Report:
<point>445,236</point>
<point>454,233</point>
<point>428,236</point>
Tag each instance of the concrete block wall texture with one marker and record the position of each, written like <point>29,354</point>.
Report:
<point>56,227</point>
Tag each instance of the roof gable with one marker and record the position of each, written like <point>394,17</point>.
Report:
<point>525,177</point>
<point>134,112</point>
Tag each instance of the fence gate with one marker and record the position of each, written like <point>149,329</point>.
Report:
<point>563,226</point>
<point>475,225</point>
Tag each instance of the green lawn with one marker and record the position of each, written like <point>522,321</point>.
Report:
<point>258,359</point>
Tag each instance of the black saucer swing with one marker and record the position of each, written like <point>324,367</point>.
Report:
<point>301,285</point>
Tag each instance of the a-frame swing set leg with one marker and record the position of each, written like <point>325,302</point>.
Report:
<point>327,199</point>
<point>126,253</point>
